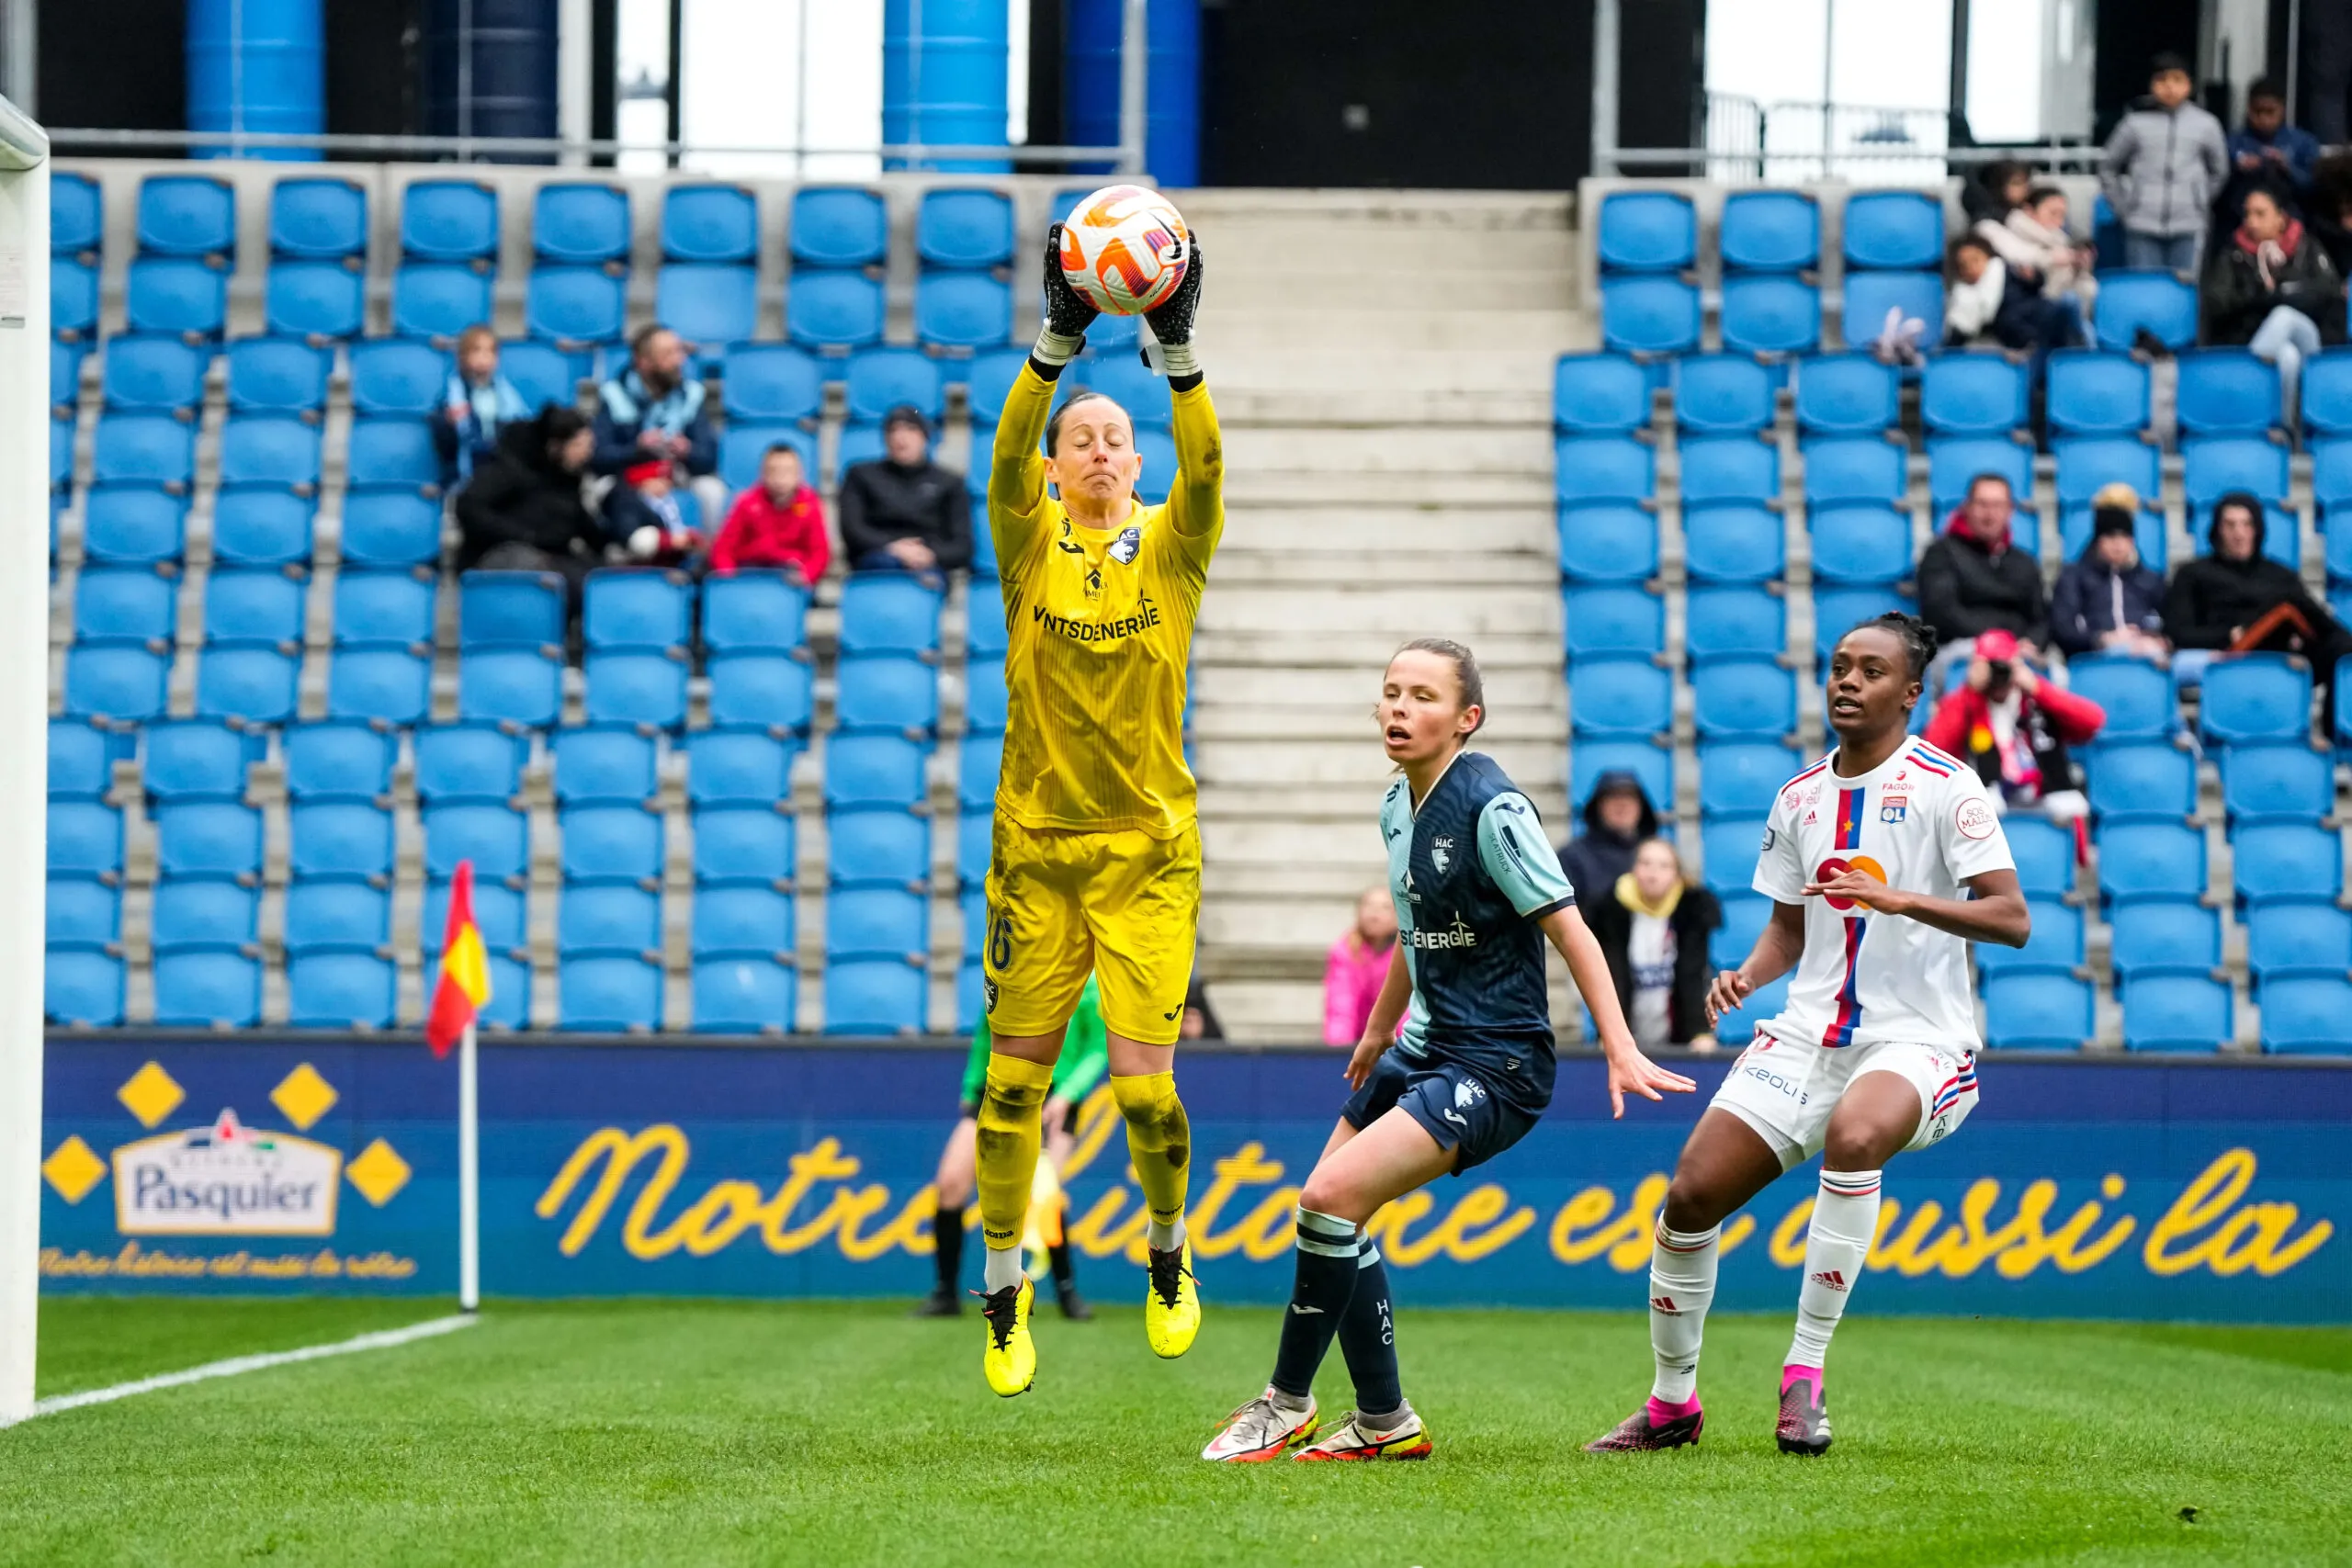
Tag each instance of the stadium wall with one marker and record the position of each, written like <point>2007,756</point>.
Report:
<point>2185,1188</point>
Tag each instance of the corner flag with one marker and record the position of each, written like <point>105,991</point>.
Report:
<point>463,990</point>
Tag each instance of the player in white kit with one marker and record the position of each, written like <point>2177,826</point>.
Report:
<point>1883,860</point>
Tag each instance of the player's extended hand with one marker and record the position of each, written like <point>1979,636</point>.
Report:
<point>1172,322</point>
<point>1365,1058</point>
<point>1863,889</point>
<point>1629,1069</point>
<point>1730,989</point>
<point>1068,313</point>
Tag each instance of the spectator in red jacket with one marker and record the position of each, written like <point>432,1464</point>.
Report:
<point>2015,727</point>
<point>777,523</point>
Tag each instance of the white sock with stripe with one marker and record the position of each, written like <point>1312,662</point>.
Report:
<point>1682,1286</point>
<point>1845,1222</point>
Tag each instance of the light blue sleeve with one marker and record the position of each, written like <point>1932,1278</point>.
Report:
<point>1515,852</point>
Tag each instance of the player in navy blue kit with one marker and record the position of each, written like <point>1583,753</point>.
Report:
<point>1478,889</point>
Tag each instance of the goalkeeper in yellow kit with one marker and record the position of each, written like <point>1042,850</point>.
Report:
<point>1097,851</point>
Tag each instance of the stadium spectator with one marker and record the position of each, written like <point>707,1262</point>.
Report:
<point>479,403</point>
<point>2266,154</point>
<point>642,511</point>
<point>1617,817</point>
<point>524,509</point>
<point>1653,924</point>
<point>653,410</point>
<point>1357,966</point>
<point>779,522</point>
<point>901,511</point>
<point>2272,290</point>
<point>2015,727</point>
<point>2107,600</point>
<point>1200,1018</point>
<point>1985,302</point>
<point>2237,600</point>
<point>1973,581</point>
<point>1998,189</point>
<point>2037,230</point>
<point>2164,163</point>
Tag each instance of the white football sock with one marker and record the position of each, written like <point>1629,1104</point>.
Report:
<point>1845,1222</point>
<point>1003,1266</point>
<point>1682,1286</point>
<point>1169,1237</point>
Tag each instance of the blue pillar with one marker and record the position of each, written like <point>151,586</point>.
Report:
<point>943,65</point>
<point>1091,78</point>
<point>256,65</point>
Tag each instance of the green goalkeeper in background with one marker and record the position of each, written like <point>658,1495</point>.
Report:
<point>1084,1059</point>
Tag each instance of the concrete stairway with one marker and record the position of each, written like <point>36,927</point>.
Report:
<point>1388,476</point>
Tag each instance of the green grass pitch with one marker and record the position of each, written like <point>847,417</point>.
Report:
<point>844,1432</point>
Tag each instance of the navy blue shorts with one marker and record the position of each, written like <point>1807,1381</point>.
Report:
<point>1453,1101</point>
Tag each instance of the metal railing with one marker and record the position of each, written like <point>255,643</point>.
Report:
<point>1750,142</point>
<point>467,149</point>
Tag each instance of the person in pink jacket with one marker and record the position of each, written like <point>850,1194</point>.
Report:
<point>1357,966</point>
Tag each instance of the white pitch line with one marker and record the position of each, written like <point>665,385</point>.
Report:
<point>383,1339</point>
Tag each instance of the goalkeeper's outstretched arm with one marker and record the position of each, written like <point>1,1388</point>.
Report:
<point>1196,496</point>
<point>1016,473</point>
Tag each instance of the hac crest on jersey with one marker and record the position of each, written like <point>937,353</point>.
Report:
<point>1441,851</point>
<point>1467,1092</point>
<point>1125,548</point>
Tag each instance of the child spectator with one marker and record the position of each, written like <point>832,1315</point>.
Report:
<point>1356,968</point>
<point>2038,233</point>
<point>1985,302</point>
<point>2108,600</point>
<point>2266,154</point>
<point>2165,164</point>
<point>2271,288</point>
<point>654,410</point>
<point>777,523</point>
<point>642,511</point>
<point>2015,729</point>
<point>479,403</point>
<point>1653,924</point>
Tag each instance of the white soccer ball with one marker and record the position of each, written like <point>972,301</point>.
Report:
<point>1125,249</point>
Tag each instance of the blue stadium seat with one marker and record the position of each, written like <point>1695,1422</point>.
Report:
<point>1846,394</point>
<point>875,997</point>
<point>1603,468</point>
<point>127,604</point>
<point>152,375</point>
<point>709,223</point>
<point>1649,315</point>
<point>2087,462</point>
<point>873,770</point>
<point>975,833</point>
<point>2256,696</point>
<point>1736,622</point>
<point>889,612</point>
<point>277,376</point>
<point>541,373</point>
<point>978,763</point>
<point>750,845</point>
<point>1721,394</point>
<point>498,913</point>
<point>774,383</point>
<point>510,609</point>
<point>339,761</point>
<point>2308,1015</point>
<point>394,607</point>
<point>81,759</point>
<point>2044,853</point>
<point>1132,384</point>
<point>266,449</point>
<point>449,221</point>
<point>890,693</point>
<point>1770,231</point>
<point>877,923</point>
<point>637,608</point>
<point>1872,297</point>
<point>647,690</point>
<point>2286,860</point>
<point>395,376</point>
<point>962,310</point>
<point>83,911</point>
<point>72,298</point>
<point>2137,695</point>
<point>2038,1011</point>
<point>612,843</point>
<point>1972,393</point>
<point>476,762</point>
<point>122,683</point>
<point>247,684</point>
<point>323,220</point>
<point>77,214</point>
<point>988,376</point>
<point>740,994</point>
<point>608,995</point>
<point>1647,230</point>
<point>2326,394</point>
<point>1854,468</point>
<point>316,302</point>
<point>186,299</point>
<point>879,848</point>
<point>391,686</point>
<point>2287,780</point>
<point>838,226</point>
<point>208,838</point>
<point>2214,466</point>
<point>880,380</point>
<point>1156,449</point>
<point>143,448</point>
<point>734,767</point>
<point>196,760</point>
<point>2285,938</point>
<point>833,310</point>
<point>1740,778</point>
<point>2056,941</point>
<point>65,376</point>
<point>1620,699</point>
<point>188,215</point>
<point>341,838</point>
<point>1728,851</point>
<point>522,686</point>
<point>756,921</point>
<point>769,692</point>
<point>2091,392</point>
<point>1743,699</point>
<point>61,473</point>
<point>82,987</point>
<point>437,300</point>
<point>2227,391</point>
<point>608,920</point>
<point>709,306</point>
<point>1744,914</point>
<point>581,224</point>
<point>2172,1011</point>
<point>84,839</point>
<point>744,448</point>
<point>1738,1029</point>
<point>340,989</point>
<point>1590,757</point>
<point>575,308</point>
<point>496,838</point>
<point>1604,621</point>
<point>964,229</point>
<point>985,637</point>
<point>754,610</point>
<point>2163,933</point>
<point>1597,394</point>
<point>604,764</point>
<point>2157,301</point>
<point>1955,461</point>
<point>1861,543</point>
<point>215,987</point>
<point>1893,229</point>
<point>254,606</point>
<point>1731,542</point>
<point>2148,778</point>
<point>1770,315</point>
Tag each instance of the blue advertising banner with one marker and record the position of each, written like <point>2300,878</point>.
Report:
<point>2148,1188</point>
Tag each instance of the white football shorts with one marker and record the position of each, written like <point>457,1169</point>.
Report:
<point>1786,1090</point>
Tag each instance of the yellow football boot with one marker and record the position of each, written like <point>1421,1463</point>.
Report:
<point>1172,1307</point>
<point>1011,1359</point>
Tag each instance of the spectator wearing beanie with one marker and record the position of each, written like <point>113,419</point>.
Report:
<point>902,512</point>
<point>2107,600</point>
<point>777,523</point>
<point>2271,288</point>
<point>2165,164</point>
<point>2237,600</point>
<point>1974,579</point>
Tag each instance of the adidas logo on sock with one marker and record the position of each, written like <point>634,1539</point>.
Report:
<point>1831,1278</point>
<point>1664,1304</point>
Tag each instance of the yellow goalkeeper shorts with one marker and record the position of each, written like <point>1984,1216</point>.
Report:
<point>1125,906</point>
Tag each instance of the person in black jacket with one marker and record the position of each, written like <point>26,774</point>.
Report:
<point>1652,927</point>
<point>902,512</point>
<point>524,509</point>
<point>1972,579</point>
<point>2237,598</point>
<point>2108,600</point>
<point>2271,288</point>
<point>1617,816</point>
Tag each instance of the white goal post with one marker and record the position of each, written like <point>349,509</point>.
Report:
<point>23,731</point>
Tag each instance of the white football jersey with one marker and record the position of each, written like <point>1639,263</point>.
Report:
<point>1920,821</point>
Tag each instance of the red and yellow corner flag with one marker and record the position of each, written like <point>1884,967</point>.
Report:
<point>463,990</point>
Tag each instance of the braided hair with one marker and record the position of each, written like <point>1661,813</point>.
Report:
<point>1917,637</point>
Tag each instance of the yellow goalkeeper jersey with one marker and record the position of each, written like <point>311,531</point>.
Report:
<point>1099,625</point>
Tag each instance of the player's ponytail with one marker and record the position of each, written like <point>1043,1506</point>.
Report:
<point>1471,686</point>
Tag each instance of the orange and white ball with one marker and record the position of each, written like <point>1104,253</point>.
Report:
<point>1125,249</point>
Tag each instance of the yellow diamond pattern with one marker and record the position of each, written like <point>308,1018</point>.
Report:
<point>150,1094</point>
<point>377,1172</point>
<point>73,1169</point>
<point>304,1097</point>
